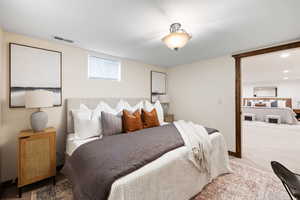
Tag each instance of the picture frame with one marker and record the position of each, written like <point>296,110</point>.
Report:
<point>158,85</point>
<point>33,68</point>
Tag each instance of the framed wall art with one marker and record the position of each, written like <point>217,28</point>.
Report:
<point>158,84</point>
<point>33,68</point>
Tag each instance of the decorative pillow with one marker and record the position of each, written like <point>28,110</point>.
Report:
<point>159,110</point>
<point>124,105</point>
<point>150,119</point>
<point>281,103</point>
<point>260,105</point>
<point>274,104</point>
<point>106,108</point>
<point>132,121</point>
<point>268,104</point>
<point>111,124</point>
<point>249,103</point>
<point>87,122</point>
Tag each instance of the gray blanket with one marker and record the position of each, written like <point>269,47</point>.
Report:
<point>94,166</point>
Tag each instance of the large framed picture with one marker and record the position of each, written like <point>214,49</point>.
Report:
<point>33,68</point>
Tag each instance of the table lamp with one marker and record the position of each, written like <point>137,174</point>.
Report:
<point>165,99</point>
<point>38,99</point>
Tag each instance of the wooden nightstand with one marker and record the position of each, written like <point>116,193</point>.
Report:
<point>297,111</point>
<point>36,156</point>
<point>169,118</point>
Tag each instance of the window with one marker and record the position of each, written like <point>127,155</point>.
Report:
<point>102,68</point>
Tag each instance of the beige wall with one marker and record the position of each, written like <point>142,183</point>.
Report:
<point>1,95</point>
<point>135,83</point>
<point>203,92</point>
<point>285,89</point>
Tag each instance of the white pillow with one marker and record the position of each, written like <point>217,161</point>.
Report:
<point>281,104</point>
<point>268,104</point>
<point>106,108</point>
<point>159,110</point>
<point>125,105</point>
<point>87,122</point>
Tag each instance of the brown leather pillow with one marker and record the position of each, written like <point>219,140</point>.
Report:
<point>150,119</point>
<point>260,105</point>
<point>132,121</point>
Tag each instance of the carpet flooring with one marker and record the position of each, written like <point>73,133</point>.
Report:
<point>264,142</point>
<point>247,182</point>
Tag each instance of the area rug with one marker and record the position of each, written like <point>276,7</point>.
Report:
<point>61,191</point>
<point>246,182</point>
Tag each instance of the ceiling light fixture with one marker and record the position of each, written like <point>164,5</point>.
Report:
<point>284,55</point>
<point>177,38</point>
<point>286,71</point>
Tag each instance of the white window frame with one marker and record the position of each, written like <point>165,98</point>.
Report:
<point>104,58</point>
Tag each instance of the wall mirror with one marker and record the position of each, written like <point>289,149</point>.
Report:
<point>265,92</point>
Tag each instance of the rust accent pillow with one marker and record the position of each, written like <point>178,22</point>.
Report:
<point>132,121</point>
<point>260,105</point>
<point>150,119</point>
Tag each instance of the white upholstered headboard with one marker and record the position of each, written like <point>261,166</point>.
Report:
<point>74,103</point>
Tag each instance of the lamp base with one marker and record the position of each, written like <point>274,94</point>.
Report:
<point>165,107</point>
<point>39,121</point>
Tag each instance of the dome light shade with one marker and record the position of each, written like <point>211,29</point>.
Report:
<point>177,37</point>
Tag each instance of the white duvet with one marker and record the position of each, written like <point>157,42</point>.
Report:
<point>173,176</point>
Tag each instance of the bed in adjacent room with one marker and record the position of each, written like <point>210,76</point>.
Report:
<point>261,108</point>
<point>170,161</point>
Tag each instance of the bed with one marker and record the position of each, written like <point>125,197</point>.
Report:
<point>261,110</point>
<point>170,176</point>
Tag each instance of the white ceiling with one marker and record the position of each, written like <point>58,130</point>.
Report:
<point>134,28</point>
<point>271,67</point>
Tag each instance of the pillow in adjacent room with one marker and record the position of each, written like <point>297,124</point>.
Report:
<point>281,103</point>
<point>274,104</point>
<point>249,103</point>
<point>150,119</point>
<point>132,121</point>
<point>111,124</point>
<point>260,105</point>
<point>87,122</point>
<point>124,105</point>
<point>268,104</point>
<point>159,110</point>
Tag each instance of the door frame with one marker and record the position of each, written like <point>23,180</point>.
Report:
<point>238,84</point>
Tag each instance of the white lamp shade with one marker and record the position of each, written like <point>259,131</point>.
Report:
<point>39,99</point>
<point>164,99</point>
<point>176,40</point>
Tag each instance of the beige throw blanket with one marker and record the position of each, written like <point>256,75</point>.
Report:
<point>198,142</point>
